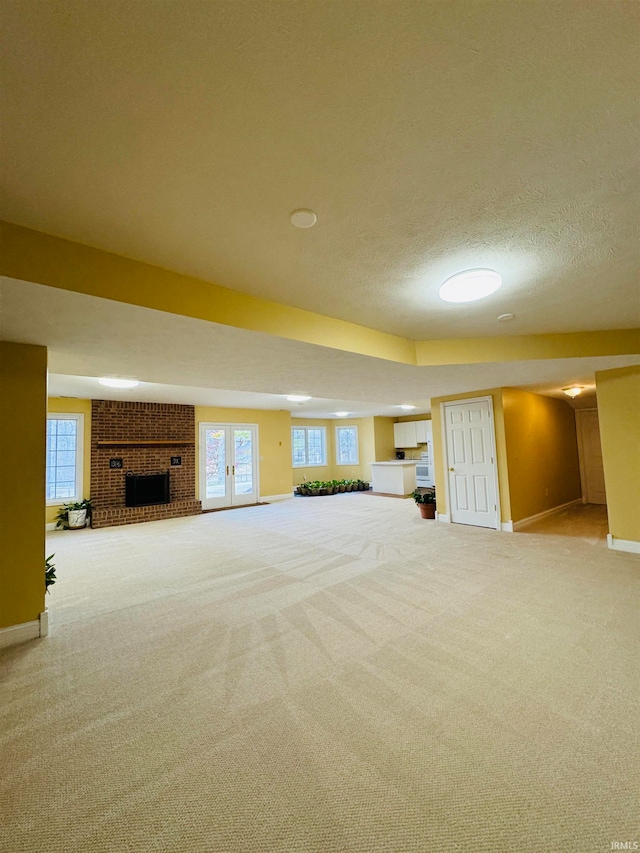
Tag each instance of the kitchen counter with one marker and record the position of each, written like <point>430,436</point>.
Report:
<point>397,477</point>
<point>398,462</point>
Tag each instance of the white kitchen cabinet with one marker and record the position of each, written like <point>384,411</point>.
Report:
<point>393,478</point>
<point>424,432</point>
<point>404,434</point>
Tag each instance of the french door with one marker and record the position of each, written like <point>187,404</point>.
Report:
<point>228,465</point>
<point>472,475</point>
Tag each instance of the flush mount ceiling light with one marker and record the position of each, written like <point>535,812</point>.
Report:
<point>341,414</point>
<point>470,285</point>
<point>504,318</point>
<point>110,382</point>
<point>406,406</point>
<point>573,391</point>
<point>298,398</point>
<point>303,218</point>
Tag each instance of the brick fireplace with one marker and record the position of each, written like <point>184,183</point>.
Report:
<point>141,438</point>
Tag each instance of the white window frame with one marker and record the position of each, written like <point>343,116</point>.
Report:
<point>306,463</point>
<point>79,491</point>
<point>347,426</point>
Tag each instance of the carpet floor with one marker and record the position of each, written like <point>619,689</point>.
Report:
<point>331,675</point>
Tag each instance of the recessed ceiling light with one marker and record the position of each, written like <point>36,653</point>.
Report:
<point>298,398</point>
<point>504,318</point>
<point>341,414</point>
<point>406,406</point>
<point>470,285</point>
<point>303,218</point>
<point>574,390</point>
<point>118,383</point>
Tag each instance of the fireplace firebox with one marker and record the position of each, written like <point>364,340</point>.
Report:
<point>146,489</point>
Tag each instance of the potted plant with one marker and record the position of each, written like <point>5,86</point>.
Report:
<point>73,516</point>
<point>426,502</point>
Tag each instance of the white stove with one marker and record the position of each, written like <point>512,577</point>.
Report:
<point>424,471</point>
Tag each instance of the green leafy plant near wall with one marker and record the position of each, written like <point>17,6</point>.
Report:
<point>76,506</point>
<point>49,572</point>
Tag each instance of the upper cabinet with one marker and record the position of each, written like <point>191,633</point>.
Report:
<point>411,433</point>
<point>424,433</point>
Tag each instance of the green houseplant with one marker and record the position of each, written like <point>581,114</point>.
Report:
<point>49,572</point>
<point>74,515</point>
<point>426,502</point>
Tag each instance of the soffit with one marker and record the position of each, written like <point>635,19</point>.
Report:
<point>428,137</point>
<point>182,359</point>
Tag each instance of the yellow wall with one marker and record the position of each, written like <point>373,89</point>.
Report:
<point>542,452</point>
<point>274,440</point>
<point>333,471</point>
<point>23,407</point>
<point>383,437</point>
<point>619,415</point>
<point>501,452</point>
<point>77,407</point>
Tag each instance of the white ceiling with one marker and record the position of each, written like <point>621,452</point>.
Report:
<point>184,360</point>
<point>429,137</point>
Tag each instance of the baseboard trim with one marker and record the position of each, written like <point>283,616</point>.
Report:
<point>442,516</point>
<point>627,545</point>
<point>539,515</point>
<point>25,631</point>
<point>273,498</point>
<point>506,526</point>
<point>51,526</point>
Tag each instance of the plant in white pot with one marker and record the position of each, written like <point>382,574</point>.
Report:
<point>75,515</point>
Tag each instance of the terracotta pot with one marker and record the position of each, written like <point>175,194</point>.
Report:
<point>427,510</point>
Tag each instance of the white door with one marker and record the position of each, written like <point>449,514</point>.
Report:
<point>472,480</point>
<point>228,465</point>
<point>590,449</point>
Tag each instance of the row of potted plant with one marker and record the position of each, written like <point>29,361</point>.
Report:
<point>331,487</point>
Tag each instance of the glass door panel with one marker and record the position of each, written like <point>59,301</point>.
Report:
<point>243,462</point>
<point>216,463</point>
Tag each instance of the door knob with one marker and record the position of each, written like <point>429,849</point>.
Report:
<point>451,469</point>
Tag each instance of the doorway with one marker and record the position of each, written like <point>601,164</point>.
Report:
<point>472,482</point>
<point>590,455</point>
<point>228,465</point>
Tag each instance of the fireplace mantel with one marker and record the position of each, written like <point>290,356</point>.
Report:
<point>146,443</point>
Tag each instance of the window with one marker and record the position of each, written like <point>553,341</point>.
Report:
<point>64,458</point>
<point>347,445</point>
<point>309,445</point>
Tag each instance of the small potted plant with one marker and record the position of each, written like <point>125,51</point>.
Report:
<point>426,502</point>
<point>73,516</point>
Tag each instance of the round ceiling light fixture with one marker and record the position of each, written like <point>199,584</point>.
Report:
<point>470,285</point>
<point>112,382</point>
<point>406,406</point>
<point>573,391</point>
<point>341,414</point>
<point>303,218</point>
<point>298,398</point>
<point>504,318</point>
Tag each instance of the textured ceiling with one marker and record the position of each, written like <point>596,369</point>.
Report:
<point>429,137</point>
<point>181,359</point>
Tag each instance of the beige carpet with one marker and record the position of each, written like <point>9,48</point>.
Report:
<point>332,675</point>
